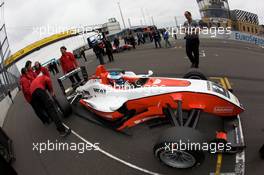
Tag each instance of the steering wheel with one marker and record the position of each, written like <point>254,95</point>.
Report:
<point>140,82</point>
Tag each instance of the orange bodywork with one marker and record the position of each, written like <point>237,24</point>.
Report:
<point>148,108</point>
<point>167,82</point>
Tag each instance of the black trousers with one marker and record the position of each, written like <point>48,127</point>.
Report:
<point>42,100</point>
<point>76,76</point>
<point>40,112</point>
<point>101,58</point>
<point>157,43</point>
<point>110,56</point>
<point>192,50</point>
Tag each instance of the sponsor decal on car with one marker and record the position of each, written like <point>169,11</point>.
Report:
<point>223,109</point>
<point>100,91</point>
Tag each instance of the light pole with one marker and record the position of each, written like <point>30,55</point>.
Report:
<point>118,3</point>
<point>152,19</point>
<point>129,22</point>
<point>176,21</point>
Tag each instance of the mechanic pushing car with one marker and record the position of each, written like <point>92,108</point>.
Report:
<point>42,101</point>
<point>68,64</point>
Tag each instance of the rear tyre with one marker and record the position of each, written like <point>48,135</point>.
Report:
<point>63,106</point>
<point>194,74</point>
<point>167,152</point>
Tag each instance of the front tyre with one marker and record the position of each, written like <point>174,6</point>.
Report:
<point>167,153</point>
<point>196,75</point>
<point>63,105</point>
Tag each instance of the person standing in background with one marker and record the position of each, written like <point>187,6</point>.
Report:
<point>98,52</point>
<point>150,36</point>
<point>51,69</point>
<point>132,40</point>
<point>68,64</point>
<point>166,37</point>
<point>125,39</point>
<point>41,69</point>
<point>140,38</point>
<point>116,43</point>
<point>157,38</point>
<point>55,67</point>
<point>109,50</point>
<point>83,55</point>
<point>192,39</point>
<point>30,72</point>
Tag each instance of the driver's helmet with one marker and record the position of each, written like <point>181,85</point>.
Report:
<point>116,78</point>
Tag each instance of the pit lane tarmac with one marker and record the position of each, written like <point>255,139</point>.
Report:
<point>132,154</point>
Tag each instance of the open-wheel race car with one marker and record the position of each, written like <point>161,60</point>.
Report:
<point>122,99</point>
<point>122,48</point>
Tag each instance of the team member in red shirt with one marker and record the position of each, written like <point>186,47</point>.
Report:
<point>42,100</point>
<point>25,83</point>
<point>30,73</point>
<point>68,64</point>
<point>41,70</point>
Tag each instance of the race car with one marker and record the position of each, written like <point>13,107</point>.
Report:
<point>122,99</point>
<point>122,48</point>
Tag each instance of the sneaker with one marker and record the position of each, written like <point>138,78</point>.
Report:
<point>65,133</point>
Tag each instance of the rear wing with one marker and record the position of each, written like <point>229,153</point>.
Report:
<point>81,70</point>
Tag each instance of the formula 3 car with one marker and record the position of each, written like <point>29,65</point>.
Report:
<point>122,48</point>
<point>123,99</point>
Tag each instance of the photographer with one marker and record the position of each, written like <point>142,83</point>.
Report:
<point>192,39</point>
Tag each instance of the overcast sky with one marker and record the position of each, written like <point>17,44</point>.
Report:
<point>23,17</point>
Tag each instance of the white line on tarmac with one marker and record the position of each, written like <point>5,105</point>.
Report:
<point>202,53</point>
<point>114,157</point>
<point>240,157</point>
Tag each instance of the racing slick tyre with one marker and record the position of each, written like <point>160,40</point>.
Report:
<point>169,152</point>
<point>194,74</point>
<point>63,105</point>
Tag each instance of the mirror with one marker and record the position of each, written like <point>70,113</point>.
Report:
<point>150,72</point>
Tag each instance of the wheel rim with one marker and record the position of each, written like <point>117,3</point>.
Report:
<point>177,159</point>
